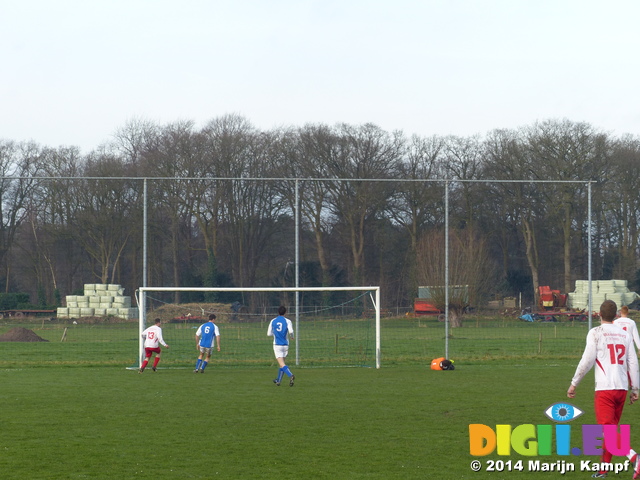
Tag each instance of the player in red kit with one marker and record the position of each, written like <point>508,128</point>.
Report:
<point>152,341</point>
<point>610,350</point>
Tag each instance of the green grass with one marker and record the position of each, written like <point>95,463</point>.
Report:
<point>405,341</point>
<point>71,409</point>
<point>404,422</point>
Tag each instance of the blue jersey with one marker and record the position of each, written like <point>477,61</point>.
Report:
<point>280,328</point>
<point>207,333</point>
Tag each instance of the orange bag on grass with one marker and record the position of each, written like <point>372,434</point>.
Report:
<point>442,364</point>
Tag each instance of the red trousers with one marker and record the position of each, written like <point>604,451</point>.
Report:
<point>608,405</point>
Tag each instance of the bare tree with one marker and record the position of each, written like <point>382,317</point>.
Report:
<point>372,153</point>
<point>622,204</point>
<point>311,152</point>
<point>508,160</point>
<point>19,164</point>
<point>107,218</point>
<point>463,158</point>
<point>49,242</point>
<point>471,271</point>
<point>173,156</point>
<point>419,205</point>
<point>565,150</point>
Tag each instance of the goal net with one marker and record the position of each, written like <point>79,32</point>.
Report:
<point>333,326</point>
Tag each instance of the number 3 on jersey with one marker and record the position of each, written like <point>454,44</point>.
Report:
<point>615,348</point>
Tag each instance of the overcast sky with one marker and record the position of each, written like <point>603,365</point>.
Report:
<point>74,71</point>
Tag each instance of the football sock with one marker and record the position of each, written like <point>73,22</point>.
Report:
<point>286,370</point>
<point>280,373</point>
<point>155,362</point>
<point>144,364</point>
<point>198,363</point>
<point>204,365</point>
<point>632,453</point>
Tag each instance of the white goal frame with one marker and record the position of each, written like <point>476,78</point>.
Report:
<point>142,304</point>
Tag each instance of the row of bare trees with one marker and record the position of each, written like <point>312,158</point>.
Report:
<point>220,202</point>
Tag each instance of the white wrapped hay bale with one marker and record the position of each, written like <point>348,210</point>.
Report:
<point>128,313</point>
<point>113,287</point>
<point>87,312</point>
<point>616,297</point>
<point>106,298</point>
<point>606,286</point>
<point>121,302</point>
<point>630,297</point>
<point>582,286</point>
<point>112,311</point>
<point>74,312</point>
<point>63,312</point>
<point>100,312</point>
<point>577,300</point>
<point>597,300</point>
<point>72,301</point>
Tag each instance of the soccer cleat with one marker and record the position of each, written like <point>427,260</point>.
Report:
<point>140,370</point>
<point>293,377</point>
<point>153,368</point>
<point>275,380</point>
<point>636,466</point>
<point>202,370</point>
<point>599,475</point>
<point>195,371</point>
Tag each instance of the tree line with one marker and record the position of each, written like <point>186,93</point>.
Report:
<point>372,208</point>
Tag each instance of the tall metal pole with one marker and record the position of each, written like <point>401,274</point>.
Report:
<point>589,254</point>
<point>142,305</point>
<point>297,270</point>
<point>378,335</point>
<point>446,269</point>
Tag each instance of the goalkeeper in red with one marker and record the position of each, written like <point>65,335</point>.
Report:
<point>610,350</point>
<point>281,328</point>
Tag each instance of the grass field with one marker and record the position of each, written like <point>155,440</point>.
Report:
<point>72,410</point>
<point>327,342</point>
<point>400,422</point>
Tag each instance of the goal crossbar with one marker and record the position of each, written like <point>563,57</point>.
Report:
<point>143,311</point>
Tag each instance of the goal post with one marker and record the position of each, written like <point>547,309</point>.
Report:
<point>374,294</point>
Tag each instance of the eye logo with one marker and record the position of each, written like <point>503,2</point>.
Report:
<point>563,412</point>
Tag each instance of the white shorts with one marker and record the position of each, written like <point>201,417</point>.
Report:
<point>206,350</point>
<point>281,351</point>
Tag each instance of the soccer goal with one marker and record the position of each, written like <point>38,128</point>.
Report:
<point>333,326</point>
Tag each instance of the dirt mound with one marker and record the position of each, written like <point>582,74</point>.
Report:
<point>197,312</point>
<point>20,334</point>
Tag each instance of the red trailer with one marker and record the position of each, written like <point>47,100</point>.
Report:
<point>423,306</point>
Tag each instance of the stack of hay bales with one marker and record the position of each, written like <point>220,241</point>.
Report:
<point>601,290</point>
<point>99,300</point>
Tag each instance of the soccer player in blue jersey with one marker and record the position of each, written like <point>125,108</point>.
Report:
<point>281,328</point>
<point>205,336</point>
